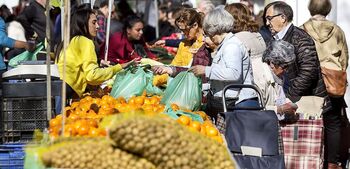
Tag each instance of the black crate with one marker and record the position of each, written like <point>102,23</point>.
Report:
<point>21,116</point>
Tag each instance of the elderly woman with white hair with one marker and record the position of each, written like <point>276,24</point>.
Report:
<point>279,55</point>
<point>230,65</point>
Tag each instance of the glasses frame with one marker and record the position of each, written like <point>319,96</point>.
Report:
<point>269,18</point>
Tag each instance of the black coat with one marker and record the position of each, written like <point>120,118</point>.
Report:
<point>304,75</point>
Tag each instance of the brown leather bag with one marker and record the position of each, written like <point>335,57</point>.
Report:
<point>335,81</point>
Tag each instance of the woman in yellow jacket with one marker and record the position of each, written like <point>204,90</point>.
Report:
<point>82,68</point>
<point>192,50</point>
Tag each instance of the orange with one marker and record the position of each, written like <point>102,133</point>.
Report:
<point>202,114</point>
<point>105,97</point>
<point>69,129</point>
<point>121,100</point>
<point>94,132</point>
<point>154,100</point>
<point>79,123</point>
<point>218,139</point>
<point>83,130</point>
<point>211,131</point>
<point>88,98</point>
<point>102,132</point>
<point>92,123</point>
<point>175,107</point>
<point>96,101</point>
<point>140,100</point>
<point>195,125</point>
<point>74,105</point>
<point>73,117</point>
<point>54,122</point>
<point>185,120</point>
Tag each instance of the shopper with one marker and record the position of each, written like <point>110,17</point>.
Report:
<point>231,64</point>
<point>304,77</point>
<point>81,61</point>
<point>129,44</point>
<point>192,50</point>
<point>333,54</point>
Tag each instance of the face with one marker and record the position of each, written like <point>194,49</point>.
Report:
<point>208,43</point>
<point>171,20</point>
<point>275,21</point>
<point>277,70</point>
<point>135,33</point>
<point>190,32</point>
<point>93,26</point>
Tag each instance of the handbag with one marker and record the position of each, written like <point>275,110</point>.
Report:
<point>335,81</point>
<point>26,56</point>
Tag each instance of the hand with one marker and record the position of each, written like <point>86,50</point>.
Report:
<point>30,46</point>
<point>198,70</point>
<point>104,63</point>
<point>132,62</point>
<point>159,43</point>
<point>287,108</point>
<point>159,69</point>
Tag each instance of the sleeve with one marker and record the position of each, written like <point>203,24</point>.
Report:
<point>26,19</point>
<point>115,49</point>
<point>93,73</point>
<point>4,39</point>
<point>307,64</point>
<point>344,57</point>
<point>173,42</point>
<point>231,70</point>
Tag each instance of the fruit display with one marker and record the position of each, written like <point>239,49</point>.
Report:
<point>82,117</point>
<point>166,144</point>
<point>91,154</point>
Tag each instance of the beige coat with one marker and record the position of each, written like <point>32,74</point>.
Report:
<point>330,41</point>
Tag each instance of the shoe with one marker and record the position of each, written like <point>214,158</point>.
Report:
<point>334,166</point>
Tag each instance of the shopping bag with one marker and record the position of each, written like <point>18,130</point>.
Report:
<point>133,82</point>
<point>25,56</point>
<point>175,115</point>
<point>185,90</point>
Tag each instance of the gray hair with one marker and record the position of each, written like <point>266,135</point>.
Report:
<point>218,21</point>
<point>280,53</point>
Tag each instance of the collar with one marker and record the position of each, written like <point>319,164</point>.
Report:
<point>228,36</point>
<point>282,33</point>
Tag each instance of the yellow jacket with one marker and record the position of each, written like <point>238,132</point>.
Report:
<point>184,55</point>
<point>82,67</point>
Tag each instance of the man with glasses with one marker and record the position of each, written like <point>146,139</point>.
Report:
<point>304,76</point>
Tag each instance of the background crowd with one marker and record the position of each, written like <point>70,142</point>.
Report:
<point>222,44</point>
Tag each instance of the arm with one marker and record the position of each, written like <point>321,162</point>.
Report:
<point>231,69</point>
<point>307,67</point>
<point>148,52</point>
<point>93,73</point>
<point>173,42</point>
<point>115,49</point>
<point>344,57</point>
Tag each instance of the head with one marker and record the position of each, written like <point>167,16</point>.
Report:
<point>279,55</point>
<point>278,15</point>
<point>244,20</point>
<point>216,23</point>
<point>320,7</point>
<point>173,14</point>
<point>6,14</point>
<point>84,23</point>
<point>133,26</point>
<point>163,13</point>
<point>104,7</point>
<point>189,22</point>
<point>205,6</point>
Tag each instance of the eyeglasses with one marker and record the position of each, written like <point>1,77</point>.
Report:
<point>269,18</point>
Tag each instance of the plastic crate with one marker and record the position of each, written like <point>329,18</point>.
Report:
<point>21,116</point>
<point>12,156</point>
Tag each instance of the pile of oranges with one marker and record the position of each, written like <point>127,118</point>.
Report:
<point>206,128</point>
<point>83,117</point>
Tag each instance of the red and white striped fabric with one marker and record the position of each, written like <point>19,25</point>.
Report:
<point>304,138</point>
<point>303,144</point>
<point>303,162</point>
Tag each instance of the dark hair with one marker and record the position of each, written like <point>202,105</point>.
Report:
<point>130,21</point>
<point>189,16</point>
<point>164,8</point>
<point>281,7</point>
<point>6,14</point>
<point>322,7</point>
<point>243,18</point>
<point>80,22</point>
<point>103,3</point>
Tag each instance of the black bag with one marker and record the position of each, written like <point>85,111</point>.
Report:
<point>252,127</point>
